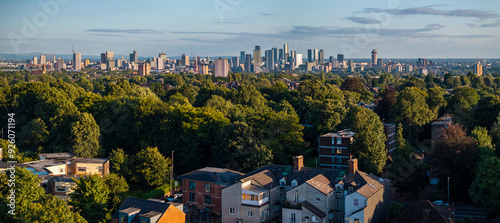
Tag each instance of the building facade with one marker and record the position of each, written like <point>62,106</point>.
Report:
<point>333,149</point>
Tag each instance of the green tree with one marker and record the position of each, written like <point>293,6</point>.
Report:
<point>84,137</point>
<point>151,167</point>
<point>85,84</point>
<point>436,99</point>
<point>486,110</point>
<point>90,199</point>
<point>119,162</point>
<point>387,100</point>
<point>49,208</point>
<point>486,186</point>
<point>27,190</point>
<point>117,186</point>
<point>238,149</point>
<point>369,140</point>
<point>462,102</point>
<point>33,135</point>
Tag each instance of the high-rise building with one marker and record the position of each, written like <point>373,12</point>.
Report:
<point>235,61</point>
<point>242,56</point>
<point>118,63</point>
<point>248,62</point>
<point>374,57</point>
<point>257,60</point>
<point>275,53</point>
<point>60,64</point>
<point>310,56</point>
<point>409,68</point>
<point>159,63</point>
<point>35,60</point>
<point>340,58</point>
<point>43,59</point>
<point>110,64</point>
<point>54,58</point>
<point>380,62</point>
<point>203,69</point>
<point>144,69</point>
<point>86,62</point>
<point>285,52</point>
<point>270,60</point>
<point>478,69</point>
<point>184,60</point>
<point>221,67</point>
<point>293,55</point>
<point>321,56</point>
<point>298,60</point>
<point>315,55</point>
<point>331,59</point>
<point>280,54</point>
<point>110,55</point>
<point>103,58</point>
<point>77,61</point>
<point>163,56</point>
<point>133,57</point>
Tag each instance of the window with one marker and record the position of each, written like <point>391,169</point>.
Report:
<point>351,188</point>
<point>82,169</point>
<point>123,219</point>
<point>317,198</point>
<point>252,197</point>
<point>260,197</point>
<point>330,216</point>
<point>292,218</point>
<point>314,219</point>
<point>282,182</point>
<point>339,150</point>
<point>249,213</point>
<point>339,204</point>
<point>339,141</point>
<point>231,211</point>
<point>99,168</point>
<point>339,160</point>
<point>208,199</point>
<point>296,197</point>
<point>207,188</point>
<point>61,170</point>
<point>338,220</point>
<point>356,202</point>
<point>192,186</point>
<point>243,196</point>
<point>192,197</point>
<point>61,188</point>
<point>294,183</point>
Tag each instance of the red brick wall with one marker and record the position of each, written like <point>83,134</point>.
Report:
<point>215,193</point>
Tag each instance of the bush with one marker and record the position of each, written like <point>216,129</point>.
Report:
<point>395,209</point>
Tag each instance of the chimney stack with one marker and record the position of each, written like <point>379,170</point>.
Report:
<point>353,166</point>
<point>298,162</point>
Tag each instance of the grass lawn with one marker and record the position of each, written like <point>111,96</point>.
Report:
<point>141,191</point>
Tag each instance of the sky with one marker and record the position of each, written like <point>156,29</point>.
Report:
<point>396,28</point>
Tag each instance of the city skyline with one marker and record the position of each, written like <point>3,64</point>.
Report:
<point>454,29</point>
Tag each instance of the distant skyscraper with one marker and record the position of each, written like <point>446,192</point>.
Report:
<point>340,58</point>
<point>298,60</point>
<point>280,54</point>
<point>221,67</point>
<point>374,57</point>
<point>77,61</point>
<point>35,60</point>
<point>163,56</point>
<point>478,69</point>
<point>144,69</point>
<point>285,52</point>
<point>235,61</point>
<point>331,59</point>
<point>133,56</point>
<point>43,59</point>
<point>53,58</point>
<point>110,55</point>
<point>203,69</point>
<point>60,64</point>
<point>248,62</point>
<point>270,59</point>
<point>257,59</point>
<point>275,53</point>
<point>160,63</point>
<point>103,58</point>
<point>321,56</point>
<point>315,55</point>
<point>118,63</point>
<point>380,62</point>
<point>293,56</point>
<point>184,60</point>
<point>242,56</point>
<point>310,55</point>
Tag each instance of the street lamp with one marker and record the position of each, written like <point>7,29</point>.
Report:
<point>448,190</point>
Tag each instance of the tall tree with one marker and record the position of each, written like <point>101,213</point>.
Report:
<point>387,100</point>
<point>49,208</point>
<point>151,167</point>
<point>85,137</point>
<point>486,186</point>
<point>462,102</point>
<point>369,140</point>
<point>90,199</point>
<point>33,135</point>
<point>436,99</point>
<point>27,190</point>
<point>486,110</point>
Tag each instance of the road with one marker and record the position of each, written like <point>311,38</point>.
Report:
<point>477,214</point>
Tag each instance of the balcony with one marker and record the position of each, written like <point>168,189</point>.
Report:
<point>291,205</point>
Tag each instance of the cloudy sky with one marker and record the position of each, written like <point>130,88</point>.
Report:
<point>396,28</point>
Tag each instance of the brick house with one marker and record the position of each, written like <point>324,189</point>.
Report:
<point>333,149</point>
<point>147,211</point>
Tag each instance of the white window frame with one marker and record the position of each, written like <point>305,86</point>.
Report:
<point>296,197</point>
<point>231,211</point>
<point>250,214</point>
<point>317,198</point>
<point>314,219</point>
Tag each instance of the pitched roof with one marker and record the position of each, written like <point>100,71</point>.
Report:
<point>212,174</point>
<point>90,160</point>
<point>422,211</point>
<point>367,184</point>
<point>313,209</point>
<point>57,156</point>
<point>144,207</point>
<point>321,183</point>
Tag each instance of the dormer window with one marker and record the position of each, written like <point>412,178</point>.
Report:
<point>339,141</point>
<point>294,183</point>
<point>339,188</point>
<point>350,188</point>
<point>283,182</point>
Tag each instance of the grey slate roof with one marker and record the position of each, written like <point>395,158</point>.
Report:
<point>145,206</point>
<point>212,174</point>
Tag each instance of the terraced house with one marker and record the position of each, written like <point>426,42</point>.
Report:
<point>291,194</point>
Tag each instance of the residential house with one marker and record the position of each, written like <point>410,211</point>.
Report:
<point>201,189</point>
<point>425,212</point>
<point>87,166</point>
<point>390,135</point>
<point>438,126</point>
<point>55,156</point>
<point>61,186</point>
<point>333,149</point>
<point>147,211</point>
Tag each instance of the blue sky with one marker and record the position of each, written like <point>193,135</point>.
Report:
<point>397,28</point>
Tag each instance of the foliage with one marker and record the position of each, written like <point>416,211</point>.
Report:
<point>486,186</point>
<point>151,167</point>
<point>90,199</point>
<point>84,137</point>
